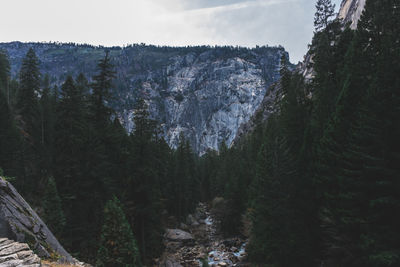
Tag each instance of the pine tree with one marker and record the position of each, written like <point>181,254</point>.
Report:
<point>143,187</point>
<point>47,105</point>
<point>52,206</point>
<point>118,247</point>
<point>102,85</point>
<point>28,122</point>
<point>29,78</point>
<point>71,170</point>
<point>9,139</point>
<point>325,11</point>
<point>4,75</point>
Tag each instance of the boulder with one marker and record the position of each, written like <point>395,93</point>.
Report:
<point>178,235</point>
<point>19,222</point>
<point>13,254</point>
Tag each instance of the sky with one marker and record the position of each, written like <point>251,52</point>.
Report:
<point>162,22</point>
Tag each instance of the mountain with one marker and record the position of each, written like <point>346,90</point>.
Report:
<point>204,93</point>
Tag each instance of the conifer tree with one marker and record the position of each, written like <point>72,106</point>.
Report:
<point>29,78</point>
<point>144,191</point>
<point>323,15</point>
<point>118,247</point>
<point>53,210</point>
<point>102,84</point>
<point>4,75</point>
<point>9,139</point>
<point>47,105</point>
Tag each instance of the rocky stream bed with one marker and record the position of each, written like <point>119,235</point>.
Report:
<point>198,242</point>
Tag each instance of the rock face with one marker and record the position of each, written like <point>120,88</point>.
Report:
<point>350,11</point>
<point>20,223</point>
<point>13,254</point>
<point>267,107</point>
<point>203,93</point>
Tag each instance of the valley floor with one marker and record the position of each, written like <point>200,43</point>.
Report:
<point>199,242</point>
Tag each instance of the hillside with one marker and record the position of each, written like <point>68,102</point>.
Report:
<point>205,93</point>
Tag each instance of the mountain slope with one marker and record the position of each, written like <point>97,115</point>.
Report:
<point>202,92</point>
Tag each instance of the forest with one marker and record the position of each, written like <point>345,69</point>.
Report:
<point>319,180</point>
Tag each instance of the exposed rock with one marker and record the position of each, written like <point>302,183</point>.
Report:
<point>350,12</point>
<point>20,223</point>
<point>178,235</point>
<point>267,107</point>
<point>202,92</point>
<point>207,245</point>
<point>13,254</point>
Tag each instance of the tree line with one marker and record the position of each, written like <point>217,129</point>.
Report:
<point>319,180</point>
<point>322,174</point>
<point>67,153</point>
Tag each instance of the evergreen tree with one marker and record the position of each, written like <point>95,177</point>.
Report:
<point>29,78</point>
<point>4,75</point>
<point>9,139</point>
<point>8,133</point>
<point>118,247</point>
<point>47,105</point>
<point>323,15</point>
<point>29,122</point>
<point>102,85</point>
<point>52,206</point>
<point>144,193</point>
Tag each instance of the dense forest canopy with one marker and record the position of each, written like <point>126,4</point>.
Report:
<point>319,180</point>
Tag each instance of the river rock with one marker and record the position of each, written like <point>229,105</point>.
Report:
<point>178,235</point>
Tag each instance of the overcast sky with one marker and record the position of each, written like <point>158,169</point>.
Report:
<point>162,22</point>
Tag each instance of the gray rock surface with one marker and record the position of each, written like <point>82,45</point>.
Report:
<point>20,223</point>
<point>177,235</point>
<point>350,11</point>
<point>13,254</point>
<point>204,93</point>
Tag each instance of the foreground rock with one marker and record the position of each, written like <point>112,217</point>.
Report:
<point>16,254</point>
<point>20,223</point>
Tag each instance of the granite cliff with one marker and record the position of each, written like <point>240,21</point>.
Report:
<point>204,93</point>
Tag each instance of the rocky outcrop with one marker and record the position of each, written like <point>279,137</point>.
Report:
<point>267,107</point>
<point>204,93</point>
<point>20,223</point>
<point>13,254</point>
<point>350,12</point>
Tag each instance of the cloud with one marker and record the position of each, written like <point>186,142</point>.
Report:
<point>173,22</point>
